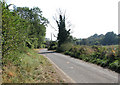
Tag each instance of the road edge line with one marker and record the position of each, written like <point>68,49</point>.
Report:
<point>72,81</point>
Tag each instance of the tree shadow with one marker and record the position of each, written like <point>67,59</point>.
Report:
<point>45,52</point>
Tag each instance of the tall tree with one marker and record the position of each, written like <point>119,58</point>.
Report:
<point>63,33</point>
<point>37,26</point>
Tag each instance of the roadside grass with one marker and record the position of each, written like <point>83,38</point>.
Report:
<point>111,46</point>
<point>32,68</point>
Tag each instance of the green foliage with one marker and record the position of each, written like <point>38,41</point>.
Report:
<point>14,33</point>
<point>76,51</point>
<point>99,52</point>
<point>37,26</point>
<point>115,65</point>
<point>63,34</point>
<point>110,39</point>
<point>53,45</point>
<point>65,47</point>
<point>21,27</point>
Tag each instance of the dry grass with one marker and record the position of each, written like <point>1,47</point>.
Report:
<point>33,68</point>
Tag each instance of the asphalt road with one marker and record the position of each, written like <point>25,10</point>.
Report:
<point>80,71</point>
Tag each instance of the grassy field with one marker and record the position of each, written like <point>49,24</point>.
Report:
<point>33,68</point>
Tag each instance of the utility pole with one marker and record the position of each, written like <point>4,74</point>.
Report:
<point>51,36</point>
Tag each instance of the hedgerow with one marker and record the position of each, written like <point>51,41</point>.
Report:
<point>21,27</point>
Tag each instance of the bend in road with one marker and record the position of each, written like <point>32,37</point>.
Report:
<point>80,71</point>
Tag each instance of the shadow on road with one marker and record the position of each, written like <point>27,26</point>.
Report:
<point>45,52</point>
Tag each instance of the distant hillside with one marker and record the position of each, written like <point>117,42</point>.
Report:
<point>110,38</point>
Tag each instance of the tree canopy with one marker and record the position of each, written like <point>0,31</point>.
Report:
<point>21,27</point>
<point>37,26</point>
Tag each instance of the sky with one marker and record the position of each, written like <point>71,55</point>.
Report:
<point>86,17</point>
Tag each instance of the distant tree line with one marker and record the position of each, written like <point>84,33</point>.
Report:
<point>110,38</point>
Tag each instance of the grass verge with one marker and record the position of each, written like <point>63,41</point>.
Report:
<point>32,68</point>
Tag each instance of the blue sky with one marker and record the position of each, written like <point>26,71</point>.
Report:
<point>86,16</point>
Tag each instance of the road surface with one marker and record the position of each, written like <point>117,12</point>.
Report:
<point>80,71</point>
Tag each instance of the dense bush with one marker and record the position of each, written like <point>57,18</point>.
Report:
<point>64,47</point>
<point>13,34</point>
<point>21,27</point>
<point>53,45</point>
<point>78,51</point>
<point>114,65</point>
